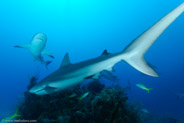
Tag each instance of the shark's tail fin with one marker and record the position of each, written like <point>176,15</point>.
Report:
<point>134,52</point>
<point>46,63</point>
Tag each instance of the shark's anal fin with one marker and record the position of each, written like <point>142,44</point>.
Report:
<point>66,61</point>
<point>45,52</point>
<point>111,69</point>
<point>108,75</point>
<point>134,52</point>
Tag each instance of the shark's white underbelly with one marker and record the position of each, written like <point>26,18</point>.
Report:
<point>79,76</point>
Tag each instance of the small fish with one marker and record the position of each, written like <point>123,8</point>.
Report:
<point>72,95</point>
<point>12,117</point>
<point>145,111</point>
<point>83,96</point>
<point>144,87</point>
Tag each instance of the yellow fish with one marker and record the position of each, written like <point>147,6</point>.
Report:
<point>83,96</point>
<point>12,117</point>
<point>144,87</point>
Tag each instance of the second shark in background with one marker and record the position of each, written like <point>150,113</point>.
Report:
<point>37,48</point>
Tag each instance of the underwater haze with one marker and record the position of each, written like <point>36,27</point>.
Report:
<point>84,28</point>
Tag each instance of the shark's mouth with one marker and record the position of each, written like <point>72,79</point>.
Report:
<point>48,89</point>
<point>39,90</point>
<point>40,39</point>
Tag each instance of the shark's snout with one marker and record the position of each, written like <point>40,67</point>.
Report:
<point>40,36</point>
<point>38,90</point>
<point>33,90</point>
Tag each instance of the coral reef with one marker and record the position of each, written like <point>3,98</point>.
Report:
<point>102,105</point>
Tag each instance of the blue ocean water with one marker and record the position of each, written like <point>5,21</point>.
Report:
<point>84,29</point>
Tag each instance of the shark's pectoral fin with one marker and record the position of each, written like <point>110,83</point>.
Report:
<point>66,61</point>
<point>94,76</point>
<point>45,52</point>
<point>89,77</point>
<point>23,46</point>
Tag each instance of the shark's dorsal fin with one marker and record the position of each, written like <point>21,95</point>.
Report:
<point>66,61</point>
<point>104,53</point>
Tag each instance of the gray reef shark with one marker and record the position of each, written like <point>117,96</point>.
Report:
<point>71,74</point>
<point>37,48</point>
